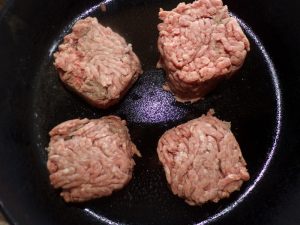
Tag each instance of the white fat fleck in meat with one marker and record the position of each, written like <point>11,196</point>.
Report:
<point>97,63</point>
<point>200,44</point>
<point>90,159</point>
<point>202,160</point>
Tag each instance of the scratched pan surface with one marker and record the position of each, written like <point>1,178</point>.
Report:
<point>260,101</point>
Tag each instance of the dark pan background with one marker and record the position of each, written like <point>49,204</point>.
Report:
<point>32,101</point>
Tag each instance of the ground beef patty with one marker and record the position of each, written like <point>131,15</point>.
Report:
<point>97,63</point>
<point>202,160</point>
<point>200,44</point>
<point>90,158</point>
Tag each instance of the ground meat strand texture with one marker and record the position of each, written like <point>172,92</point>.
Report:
<point>200,44</point>
<point>97,63</point>
<point>89,159</point>
<point>202,160</point>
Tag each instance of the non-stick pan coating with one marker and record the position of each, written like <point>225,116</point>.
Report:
<point>251,100</point>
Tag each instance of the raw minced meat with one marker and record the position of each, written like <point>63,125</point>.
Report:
<point>202,160</point>
<point>89,159</point>
<point>97,63</point>
<point>200,44</point>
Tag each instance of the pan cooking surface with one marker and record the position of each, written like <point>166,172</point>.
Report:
<point>250,100</point>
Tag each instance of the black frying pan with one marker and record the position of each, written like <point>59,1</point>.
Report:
<point>261,101</point>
